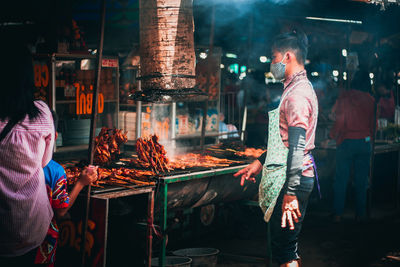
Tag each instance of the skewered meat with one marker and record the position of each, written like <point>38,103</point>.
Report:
<point>229,152</point>
<point>107,145</point>
<point>191,160</point>
<point>251,152</point>
<point>120,176</point>
<point>152,153</point>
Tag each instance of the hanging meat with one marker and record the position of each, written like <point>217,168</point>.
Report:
<point>151,153</point>
<point>107,145</point>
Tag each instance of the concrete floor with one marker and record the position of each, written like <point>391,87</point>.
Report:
<point>241,238</point>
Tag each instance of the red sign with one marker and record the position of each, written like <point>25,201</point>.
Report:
<point>110,63</point>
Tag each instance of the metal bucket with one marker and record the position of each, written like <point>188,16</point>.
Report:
<point>201,257</point>
<point>173,261</point>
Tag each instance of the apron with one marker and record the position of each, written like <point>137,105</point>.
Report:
<point>275,166</point>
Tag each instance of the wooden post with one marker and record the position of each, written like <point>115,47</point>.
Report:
<point>205,106</point>
<point>93,127</point>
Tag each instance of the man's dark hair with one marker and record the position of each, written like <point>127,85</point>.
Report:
<point>361,81</point>
<point>17,81</point>
<point>295,41</point>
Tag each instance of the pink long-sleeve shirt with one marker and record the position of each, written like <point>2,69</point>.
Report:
<point>25,211</point>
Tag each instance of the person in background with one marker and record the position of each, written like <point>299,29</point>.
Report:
<point>386,104</point>
<point>353,131</point>
<point>60,200</point>
<point>288,176</point>
<point>226,128</point>
<point>26,146</point>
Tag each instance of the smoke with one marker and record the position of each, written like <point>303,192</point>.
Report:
<point>173,151</point>
<point>280,2</point>
<point>232,20</point>
<point>161,126</point>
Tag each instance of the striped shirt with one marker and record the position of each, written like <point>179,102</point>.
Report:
<point>25,211</point>
<point>299,109</point>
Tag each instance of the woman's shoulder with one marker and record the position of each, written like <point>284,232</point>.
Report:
<point>44,109</point>
<point>44,119</point>
<point>40,104</point>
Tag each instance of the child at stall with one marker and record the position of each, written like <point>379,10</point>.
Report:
<point>60,200</point>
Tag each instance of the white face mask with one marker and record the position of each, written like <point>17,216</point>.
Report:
<point>278,70</point>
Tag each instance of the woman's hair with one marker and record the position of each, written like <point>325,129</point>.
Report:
<point>361,81</point>
<point>55,119</point>
<point>17,82</point>
<point>295,41</point>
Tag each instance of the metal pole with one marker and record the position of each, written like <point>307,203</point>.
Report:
<point>93,127</point>
<point>53,89</point>
<point>150,220</point>
<point>210,60</point>
<point>371,163</point>
<point>173,125</point>
<point>397,184</point>
<point>244,121</point>
<point>53,83</point>
<point>139,114</point>
<point>163,222</point>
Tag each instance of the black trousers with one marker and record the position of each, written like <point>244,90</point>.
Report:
<point>284,242</point>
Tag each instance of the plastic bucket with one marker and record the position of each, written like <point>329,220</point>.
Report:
<point>173,261</point>
<point>200,256</point>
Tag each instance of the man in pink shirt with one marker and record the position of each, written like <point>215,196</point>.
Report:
<point>288,175</point>
<point>26,146</point>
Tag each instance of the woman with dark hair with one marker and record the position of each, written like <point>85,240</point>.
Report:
<point>353,131</point>
<point>26,145</point>
<point>287,166</point>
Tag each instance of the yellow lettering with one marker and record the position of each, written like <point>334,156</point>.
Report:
<point>89,237</point>
<point>37,73</point>
<point>77,86</point>
<point>89,100</point>
<point>67,233</point>
<point>82,104</point>
<point>101,103</point>
<point>45,77</point>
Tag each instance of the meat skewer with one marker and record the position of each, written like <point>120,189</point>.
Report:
<point>151,152</point>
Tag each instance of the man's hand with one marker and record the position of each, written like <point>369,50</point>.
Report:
<point>249,172</point>
<point>290,211</point>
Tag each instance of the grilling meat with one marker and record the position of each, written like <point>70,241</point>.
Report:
<point>151,153</point>
<point>191,160</point>
<point>251,152</point>
<point>121,176</point>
